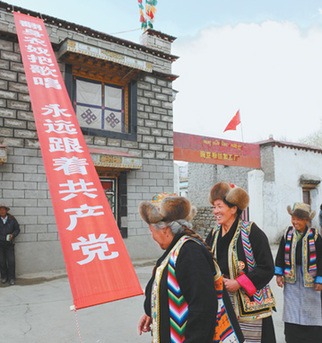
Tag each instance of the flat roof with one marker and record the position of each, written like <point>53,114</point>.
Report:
<point>290,145</point>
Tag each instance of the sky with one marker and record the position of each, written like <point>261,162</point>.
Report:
<point>263,58</point>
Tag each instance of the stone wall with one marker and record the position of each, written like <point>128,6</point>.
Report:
<point>204,221</point>
<point>203,176</point>
<point>235,175</point>
<point>200,179</point>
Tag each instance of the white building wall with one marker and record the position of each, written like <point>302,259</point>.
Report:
<point>255,191</point>
<point>271,188</point>
<point>271,211</point>
<point>289,165</point>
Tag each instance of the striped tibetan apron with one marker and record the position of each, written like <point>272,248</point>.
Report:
<point>178,307</point>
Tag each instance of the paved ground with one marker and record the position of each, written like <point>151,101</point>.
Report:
<point>36,310</point>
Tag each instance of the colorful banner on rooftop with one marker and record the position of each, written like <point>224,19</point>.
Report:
<point>201,149</point>
<point>98,265</point>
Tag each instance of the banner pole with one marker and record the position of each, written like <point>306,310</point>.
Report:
<point>241,127</point>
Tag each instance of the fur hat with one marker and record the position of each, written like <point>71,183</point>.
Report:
<point>301,211</point>
<point>166,208</point>
<point>231,193</point>
<point>5,206</point>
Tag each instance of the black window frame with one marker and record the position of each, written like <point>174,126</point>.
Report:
<point>132,106</point>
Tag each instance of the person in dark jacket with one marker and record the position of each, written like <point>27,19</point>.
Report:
<point>244,256</point>
<point>185,297</point>
<point>9,229</point>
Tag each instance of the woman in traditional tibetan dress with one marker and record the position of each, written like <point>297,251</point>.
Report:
<point>243,254</point>
<point>185,298</point>
<point>298,267</point>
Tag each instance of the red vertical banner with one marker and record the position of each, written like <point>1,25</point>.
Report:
<point>97,262</point>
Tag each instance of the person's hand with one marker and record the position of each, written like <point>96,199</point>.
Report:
<point>231,285</point>
<point>280,281</point>
<point>10,237</point>
<point>144,324</point>
<point>318,286</point>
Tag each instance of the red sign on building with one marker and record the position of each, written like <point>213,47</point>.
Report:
<point>201,149</point>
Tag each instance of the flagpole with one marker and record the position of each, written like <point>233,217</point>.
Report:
<point>241,127</point>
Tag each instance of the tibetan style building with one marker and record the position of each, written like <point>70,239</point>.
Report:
<point>122,95</point>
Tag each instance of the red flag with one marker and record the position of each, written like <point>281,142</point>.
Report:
<point>234,122</point>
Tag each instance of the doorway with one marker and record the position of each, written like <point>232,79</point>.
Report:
<point>110,189</point>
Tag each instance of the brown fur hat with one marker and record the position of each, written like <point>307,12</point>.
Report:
<point>171,208</point>
<point>301,211</point>
<point>231,193</point>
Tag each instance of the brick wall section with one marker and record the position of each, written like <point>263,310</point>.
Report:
<point>156,176</point>
<point>15,109</point>
<point>23,180</point>
<point>154,123</point>
<point>24,188</point>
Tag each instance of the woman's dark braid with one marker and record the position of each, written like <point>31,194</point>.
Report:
<point>191,233</point>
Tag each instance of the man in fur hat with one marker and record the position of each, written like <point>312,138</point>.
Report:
<point>9,229</point>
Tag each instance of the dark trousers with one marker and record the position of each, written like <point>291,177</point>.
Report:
<point>268,331</point>
<point>7,261</point>
<point>295,333</point>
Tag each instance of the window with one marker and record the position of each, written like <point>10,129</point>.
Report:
<point>306,195</point>
<point>101,106</point>
<point>105,109</point>
<point>309,184</point>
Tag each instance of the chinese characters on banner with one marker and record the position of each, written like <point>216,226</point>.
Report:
<point>98,265</point>
<point>200,149</point>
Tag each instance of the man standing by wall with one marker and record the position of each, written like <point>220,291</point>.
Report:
<point>9,229</point>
